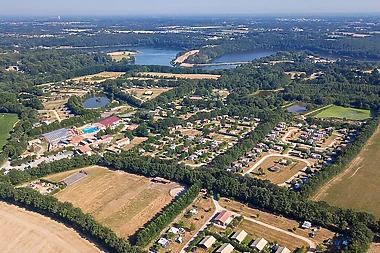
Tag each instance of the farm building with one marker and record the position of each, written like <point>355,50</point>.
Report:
<point>74,178</point>
<point>259,244</point>
<point>207,242</point>
<point>160,180</point>
<point>223,218</point>
<point>56,136</point>
<point>225,248</point>
<point>239,236</point>
<point>111,121</point>
<point>283,250</point>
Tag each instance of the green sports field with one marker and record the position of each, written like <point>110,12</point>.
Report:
<point>6,125</point>
<point>344,113</point>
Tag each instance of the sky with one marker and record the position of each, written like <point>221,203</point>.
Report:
<point>184,7</point>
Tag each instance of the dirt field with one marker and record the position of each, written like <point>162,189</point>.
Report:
<point>180,76</point>
<point>139,92</point>
<point>134,142</point>
<point>357,187</point>
<point>118,56</point>
<point>121,201</point>
<point>274,220</point>
<point>99,77</point>
<point>190,132</point>
<point>285,172</point>
<point>24,231</point>
<point>183,57</point>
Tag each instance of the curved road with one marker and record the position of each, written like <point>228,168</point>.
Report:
<point>271,155</point>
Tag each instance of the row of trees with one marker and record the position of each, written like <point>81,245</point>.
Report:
<point>66,213</point>
<point>155,226</point>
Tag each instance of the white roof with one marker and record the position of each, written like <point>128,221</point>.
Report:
<point>283,250</point>
<point>239,235</point>
<point>208,241</point>
<point>173,230</point>
<point>259,244</point>
<point>225,248</point>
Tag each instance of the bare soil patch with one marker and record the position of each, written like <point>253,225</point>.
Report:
<point>146,93</point>
<point>182,58</point>
<point>180,76</point>
<point>123,202</point>
<point>24,231</point>
<point>99,77</point>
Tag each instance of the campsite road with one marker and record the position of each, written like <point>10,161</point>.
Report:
<point>219,208</point>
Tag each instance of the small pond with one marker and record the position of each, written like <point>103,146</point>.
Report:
<point>95,102</point>
<point>297,108</point>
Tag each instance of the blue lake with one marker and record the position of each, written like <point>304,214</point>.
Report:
<point>95,102</point>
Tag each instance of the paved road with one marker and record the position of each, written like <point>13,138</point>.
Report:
<point>271,155</point>
<point>48,159</point>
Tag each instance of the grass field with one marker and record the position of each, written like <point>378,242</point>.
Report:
<point>357,187</point>
<point>344,112</point>
<point>24,231</point>
<point>121,201</point>
<point>285,172</point>
<point>7,122</point>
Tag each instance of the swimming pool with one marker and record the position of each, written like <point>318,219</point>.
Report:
<point>89,130</point>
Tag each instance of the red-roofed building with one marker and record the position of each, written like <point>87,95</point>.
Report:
<point>223,218</point>
<point>111,121</point>
<point>85,150</point>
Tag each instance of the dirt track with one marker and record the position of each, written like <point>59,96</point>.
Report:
<point>24,231</point>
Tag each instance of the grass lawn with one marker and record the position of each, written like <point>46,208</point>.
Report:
<point>6,125</point>
<point>344,112</point>
<point>358,186</point>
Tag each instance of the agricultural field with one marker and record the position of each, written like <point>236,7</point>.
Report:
<point>24,231</point>
<point>146,93</point>
<point>179,76</point>
<point>344,113</point>
<point>285,172</point>
<point>357,187</point>
<point>99,77</point>
<point>121,201</point>
<point>7,122</point>
<point>118,56</point>
<point>276,221</point>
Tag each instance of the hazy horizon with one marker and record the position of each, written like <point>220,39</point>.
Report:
<point>193,8</point>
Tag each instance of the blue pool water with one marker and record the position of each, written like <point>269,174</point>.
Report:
<point>89,130</point>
